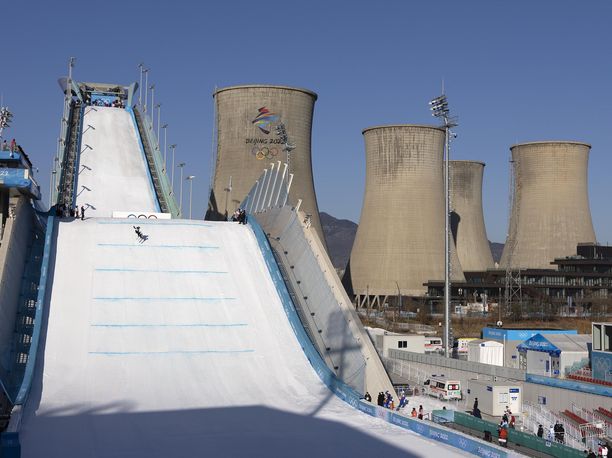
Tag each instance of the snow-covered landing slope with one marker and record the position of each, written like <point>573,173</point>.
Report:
<point>180,347</point>
<point>113,174</point>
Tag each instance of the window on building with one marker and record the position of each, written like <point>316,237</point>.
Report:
<point>402,344</point>
<point>597,337</point>
<point>607,343</point>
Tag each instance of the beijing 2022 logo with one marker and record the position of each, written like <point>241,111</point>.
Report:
<point>264,148</point>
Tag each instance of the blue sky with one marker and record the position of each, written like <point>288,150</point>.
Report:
<point>514,71</point>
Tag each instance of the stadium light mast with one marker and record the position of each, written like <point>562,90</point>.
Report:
<point>190,179</point>
<point>439,108</point>
<point>281,131</point>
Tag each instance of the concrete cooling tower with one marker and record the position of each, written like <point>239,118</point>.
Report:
<point>400,238</point>
<point>550,211</point>
<point>467,219</point>
<point>247,117</point>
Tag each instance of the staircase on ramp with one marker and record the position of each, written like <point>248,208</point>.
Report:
<point>156,175</point>
<point>177,344</point>
<point>69,169</point>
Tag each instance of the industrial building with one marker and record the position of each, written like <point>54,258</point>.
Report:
<point>467,218</point>
<point>581,285</point>
<point>550,209</point>
<point>399,244</point>
<point>247,118</point>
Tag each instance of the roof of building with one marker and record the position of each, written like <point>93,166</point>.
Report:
<point>484,343</point>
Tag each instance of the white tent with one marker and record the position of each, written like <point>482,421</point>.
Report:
<point>486,351</point>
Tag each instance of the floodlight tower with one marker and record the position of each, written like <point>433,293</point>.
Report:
<point>439,108</point>
<point>281,131</point>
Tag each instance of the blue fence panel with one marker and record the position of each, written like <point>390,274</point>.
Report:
<point>572,385</point>
<point>346,393</point>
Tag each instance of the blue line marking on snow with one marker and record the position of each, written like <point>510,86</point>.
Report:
<point>177,352</point>
<point>143,245</point>
<point>195,325</point>
<point>117,269</point>
<point>131,298</point>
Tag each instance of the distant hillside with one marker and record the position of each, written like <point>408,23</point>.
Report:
<point>340,234</point>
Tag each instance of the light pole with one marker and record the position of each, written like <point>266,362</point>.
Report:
<point>439,108</point>
<point>51,183</point>
<point>281,131</point>
<point>152,87</point>
<point>190,179</point>
<point>181,165</point>
<point>165,126</point>
<point>173,148</point>
<point>158,106</point>
<point>146,72</point>
<point>141,67</point>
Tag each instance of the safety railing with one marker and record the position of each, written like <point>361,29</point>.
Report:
<point>530,441</point>
<point>162,184</point>
<point>405,370</point>
<point>535,415</point>
<point>37,313</point>
<point>468,366</point>
<point>590,417</point>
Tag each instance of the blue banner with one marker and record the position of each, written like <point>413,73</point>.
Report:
<point>572,385</point>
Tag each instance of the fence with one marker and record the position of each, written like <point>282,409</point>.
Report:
<point>536,414</point>
<point>457,364</point>
<point>523,439</point>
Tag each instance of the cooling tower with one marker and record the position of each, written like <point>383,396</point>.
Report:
<point>467,219</point>
<point>400,238</point>
<point>550,211</point>
<point>247,143</point>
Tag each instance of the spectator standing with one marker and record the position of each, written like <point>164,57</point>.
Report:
<point>82,212</point>
<point>503,436</point>
<point>420,416</point>
<point>367,397</point>
<point>540,432</point>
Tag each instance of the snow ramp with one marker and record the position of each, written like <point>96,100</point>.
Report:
<point>112,170</point>
<point>180,347</point>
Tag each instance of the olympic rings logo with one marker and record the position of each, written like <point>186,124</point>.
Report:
<point>132,215</point>
<point>263,152</point>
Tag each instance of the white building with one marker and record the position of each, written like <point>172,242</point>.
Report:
<point>551,355</point>
<point>385,340</point>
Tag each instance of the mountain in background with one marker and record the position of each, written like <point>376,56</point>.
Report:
<point>496,250</point>
<point>339,236</point>
<point>340,233</point>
